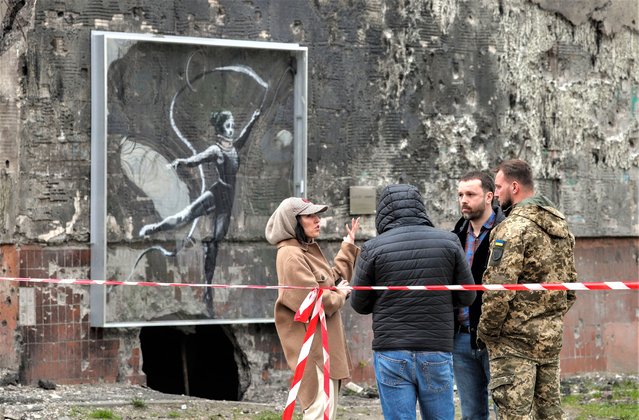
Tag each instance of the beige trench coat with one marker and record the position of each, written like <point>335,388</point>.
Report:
<point>305,265</point>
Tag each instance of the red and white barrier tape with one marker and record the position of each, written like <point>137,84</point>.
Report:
<point>607,285</point>
<point>312,303</point>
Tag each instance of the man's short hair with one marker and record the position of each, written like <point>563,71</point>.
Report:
<point>517,170</point>
<point>487,181</point>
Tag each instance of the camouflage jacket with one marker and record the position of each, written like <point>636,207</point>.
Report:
<point>533,245</point>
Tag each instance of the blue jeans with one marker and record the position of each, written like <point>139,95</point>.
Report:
<point>472,374</point>
<point>405,377</point>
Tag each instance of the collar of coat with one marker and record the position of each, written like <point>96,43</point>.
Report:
<point>294,242</point>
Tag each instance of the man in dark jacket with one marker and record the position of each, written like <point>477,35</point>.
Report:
<point>413,329</point>
<point>470,361</point>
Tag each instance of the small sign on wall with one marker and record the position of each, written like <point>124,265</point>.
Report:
<point>363,200</point>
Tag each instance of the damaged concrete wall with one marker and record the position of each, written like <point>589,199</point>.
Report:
<point>399,90</point>
<point>426,90</point>
<point>462,85</point>
<point>12,50</point>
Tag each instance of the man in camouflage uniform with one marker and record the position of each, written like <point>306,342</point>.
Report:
<point>523,330</point>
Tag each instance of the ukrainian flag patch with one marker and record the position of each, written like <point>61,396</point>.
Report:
<point>498,250</point>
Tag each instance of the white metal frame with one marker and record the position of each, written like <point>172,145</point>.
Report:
<point>99,98</point>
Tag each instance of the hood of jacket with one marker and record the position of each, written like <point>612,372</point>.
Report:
<point>542,212</point>
<point>400,205</point>
<point>281,225</point>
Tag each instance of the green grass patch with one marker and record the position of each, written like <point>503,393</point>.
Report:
<point>620,411</point>
<point>571,400</point>
<point>138,403</point>
<point>103,414</point>
<point>75,411</point>
<point>272,415</point>
<point>617,400</point>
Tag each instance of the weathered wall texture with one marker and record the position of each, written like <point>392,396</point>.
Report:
<point>601,333</point>
<point>400,90</point>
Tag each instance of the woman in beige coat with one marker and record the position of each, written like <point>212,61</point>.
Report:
<point>293,227</point>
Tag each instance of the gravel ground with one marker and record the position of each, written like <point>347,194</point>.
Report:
<point>72,402</point>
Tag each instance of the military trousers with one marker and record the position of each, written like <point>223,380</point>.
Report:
<point>525,389</point>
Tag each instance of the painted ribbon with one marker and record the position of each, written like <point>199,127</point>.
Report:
<point>311,311</point>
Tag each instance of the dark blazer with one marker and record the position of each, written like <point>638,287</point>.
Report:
<point>480,262</point>
<point>409,251</point>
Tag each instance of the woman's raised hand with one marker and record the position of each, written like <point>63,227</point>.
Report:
<point>351,231</point>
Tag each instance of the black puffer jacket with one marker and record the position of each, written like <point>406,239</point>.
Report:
<point>410,251</point>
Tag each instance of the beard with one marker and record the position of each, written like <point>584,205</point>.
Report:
<point>473,214</point>
<point>506,204</point>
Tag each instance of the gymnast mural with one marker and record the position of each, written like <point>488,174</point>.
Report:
<point>199,146</point>
<point>216,201</point>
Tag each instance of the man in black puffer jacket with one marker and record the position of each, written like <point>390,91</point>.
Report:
<point>413,330</point>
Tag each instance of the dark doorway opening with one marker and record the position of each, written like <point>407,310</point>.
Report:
<point>196,360</point>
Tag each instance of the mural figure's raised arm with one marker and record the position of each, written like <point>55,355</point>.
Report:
<point>211,154</point>
<point>246,131</point>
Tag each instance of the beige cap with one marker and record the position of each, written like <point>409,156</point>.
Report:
<point>281,224</point>
<point>303,206</point>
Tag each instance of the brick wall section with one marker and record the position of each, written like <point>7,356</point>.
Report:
<point>59,345</point>
<point>601,330</point>
<point>8,308</point>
